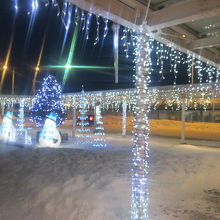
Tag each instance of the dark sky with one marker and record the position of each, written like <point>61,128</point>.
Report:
<point>28,38</point>
<point>27,43</point>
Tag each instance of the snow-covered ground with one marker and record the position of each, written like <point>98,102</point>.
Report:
<point>81,183</point>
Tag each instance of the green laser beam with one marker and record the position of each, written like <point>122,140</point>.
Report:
<point>71,53</point>
<point>76,67</point>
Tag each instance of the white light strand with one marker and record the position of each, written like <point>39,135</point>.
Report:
<point>16,5</point>
<point>114,98</point>
<point>106,27</point>
<point>34,5</point>
<point>83,20</point>
<point>97,30</point>
<point>88,25</point>
<point>66,16</point>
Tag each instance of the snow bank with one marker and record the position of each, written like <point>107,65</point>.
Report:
<point>86,184</point>
<point>63,184</point>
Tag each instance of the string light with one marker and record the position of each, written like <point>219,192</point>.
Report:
<point>106,27</point>
<point>48,99</point>
<point>88,25</point>
<point>113,99</point>
<point>83,20</point>
<point>34,5</point>
<point>66,16</point>
<point>16,5</point>
<point>139,204</point>
<point>97,30</point>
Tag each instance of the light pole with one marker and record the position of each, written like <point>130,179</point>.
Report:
<point>37,69</point>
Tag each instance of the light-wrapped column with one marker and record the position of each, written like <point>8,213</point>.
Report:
<point>139,206</point>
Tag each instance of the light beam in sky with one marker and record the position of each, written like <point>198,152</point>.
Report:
<point>5,67</point>
<point>71,54</point>
<point>68,66</point>
<point>37,69</point>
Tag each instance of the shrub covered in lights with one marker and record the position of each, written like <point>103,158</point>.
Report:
<point>47,100</point>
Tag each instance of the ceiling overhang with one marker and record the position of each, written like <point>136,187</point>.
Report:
<point>167,24</point>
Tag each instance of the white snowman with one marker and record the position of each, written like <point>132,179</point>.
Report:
<point>50,136</point>
<point>7,130</point>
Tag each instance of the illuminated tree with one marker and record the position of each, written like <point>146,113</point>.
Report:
<point>83,131</point>
<point>99,139</point>
<point>20,120</point>
<point>47,100</point>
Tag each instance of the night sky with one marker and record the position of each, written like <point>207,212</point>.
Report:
<point>28,38</point>
<point>27,44</point>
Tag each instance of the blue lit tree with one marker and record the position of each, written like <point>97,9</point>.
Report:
<point>47,100</point>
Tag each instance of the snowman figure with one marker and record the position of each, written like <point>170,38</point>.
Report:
<point>50,136</point>
<point>7,130</point>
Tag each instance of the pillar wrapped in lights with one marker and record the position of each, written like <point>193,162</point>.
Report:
<point>139,206</point>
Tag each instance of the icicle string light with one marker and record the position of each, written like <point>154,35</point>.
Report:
<point>83,20</point>
<point>106,27</point>
<point>97,30</point>
<point>88,25</point>
<point>197,94</point>
<point>16,5</point>
<point>163,52</point>
<point>34,5</point>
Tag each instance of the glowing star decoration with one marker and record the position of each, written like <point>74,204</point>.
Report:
<point>99,139</point>
<point>50,136</point>
<point>7,130</point>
